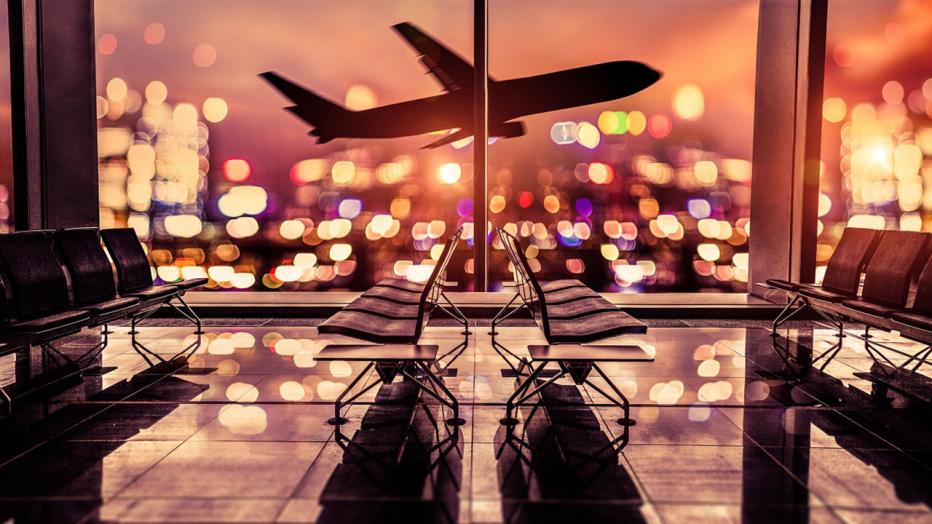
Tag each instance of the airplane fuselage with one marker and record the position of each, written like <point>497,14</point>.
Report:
<point>508,99</point>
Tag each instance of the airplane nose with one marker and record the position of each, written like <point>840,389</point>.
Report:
<point>644,73</point>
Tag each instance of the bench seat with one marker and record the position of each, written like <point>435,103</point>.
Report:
<point>594,327</point>
<point>393,294</point>
<point>402,284</point>
<point>568,295</point>
<point>383,308</point>
<point>579,308</point>
<point>48,322</point>
<point>153,292</point>
<point>190,283</point>
<point>374,328</point>
<point>559,285</point>
<point>825,295</point>
<point>878,310</point>
<point>914,319</point>
<point>109,306</point>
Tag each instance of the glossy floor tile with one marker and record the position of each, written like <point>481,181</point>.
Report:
<point>730,426</point>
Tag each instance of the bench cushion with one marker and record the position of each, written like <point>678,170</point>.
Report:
<point>869,307</point>
<point>154,292</point>
<point>109,306</point>
<point>913,319</point>
<point>394,295</point>
<point>37,325</point>
<point>402,284</point>
<point>383,308</point>
<point>578,308</point>
<point>370,327</point>
<point>567,295</point>
<point>594,327</point>
<point>190,283</point>
<point>824,294</point>
<point>557,285</point>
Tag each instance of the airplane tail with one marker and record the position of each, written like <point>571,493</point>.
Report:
<point>314,109</point>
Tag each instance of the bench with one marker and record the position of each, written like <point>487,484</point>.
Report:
<point>891,260</point>
<point>56,283</point>
<point>384,316</point>
<point>568,325</point>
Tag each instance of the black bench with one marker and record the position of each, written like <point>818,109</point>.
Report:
<point>891,264</point>
<point>135,279</point>
<point>567,326</point>
<point>842,274</point>
<point>397,327</point>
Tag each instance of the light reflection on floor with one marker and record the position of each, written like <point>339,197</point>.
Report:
<point>725,432</point>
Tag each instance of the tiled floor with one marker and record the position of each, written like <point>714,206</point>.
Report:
<point>725,432</point>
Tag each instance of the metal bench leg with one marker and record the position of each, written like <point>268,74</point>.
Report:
<point>524,391</point>
<point>339,403</point>
<point>501,315</point>
<point>787,313</point>
<point>836,348</point>
<point>98,348</point>
<point>619,400</point>
<point>188,313</point>
<point>450,401</point>
<point>456,314</point>
<point>137,318</point>
<point>8,400</point>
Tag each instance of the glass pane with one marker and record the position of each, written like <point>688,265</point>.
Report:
<point>877,119</point>
<point>198,154</point>
<point>648,192</point>
<point>6,138</point>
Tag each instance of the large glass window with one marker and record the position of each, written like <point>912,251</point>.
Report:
<point>198,154</point>
<point>650,192</point>
<point>877,119</point>
<point>646,193</point>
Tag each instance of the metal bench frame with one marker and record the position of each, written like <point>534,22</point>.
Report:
<point>578,361</point>
<point>390,360</point>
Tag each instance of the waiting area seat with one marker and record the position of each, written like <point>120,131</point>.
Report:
<point>587,318</point>
<point>56,283</point>
<point>397,328</point>
<point>890,261</point>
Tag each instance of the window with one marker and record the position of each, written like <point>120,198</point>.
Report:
<point>197,153</point>
<point>646,193</point>
<point>877,120</point>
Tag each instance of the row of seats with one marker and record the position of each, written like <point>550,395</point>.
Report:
<point>890,262</point>
<point>396,310</point>
<point>567,311</point>
<point>36,267</point>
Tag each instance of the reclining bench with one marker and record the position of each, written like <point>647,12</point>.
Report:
<point>570,316</point>
<point>386,316</point>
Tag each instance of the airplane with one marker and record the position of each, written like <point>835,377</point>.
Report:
<point>453,110</point>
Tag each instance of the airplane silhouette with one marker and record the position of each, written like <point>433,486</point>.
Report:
<point>508,99</point>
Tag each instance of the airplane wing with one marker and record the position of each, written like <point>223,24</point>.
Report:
<point>452,70</point>
<point>449,139</point>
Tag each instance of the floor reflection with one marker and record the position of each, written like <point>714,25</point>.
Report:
<point>732,426</point>
<point>559,465</point>
<point>400,465</point>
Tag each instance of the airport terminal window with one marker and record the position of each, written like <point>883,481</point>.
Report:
<point>650,192</point>
<point>198,154</point>
<point>877,120</point>
<point>6,138</point>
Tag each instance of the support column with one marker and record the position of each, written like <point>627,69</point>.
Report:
<point>55,130</point>
<point>480,145</point>
<point>787,138</point>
